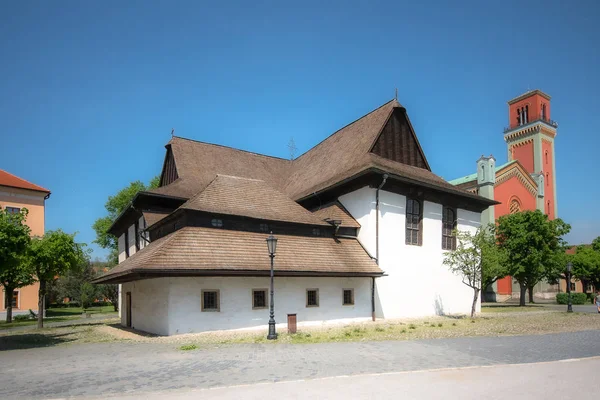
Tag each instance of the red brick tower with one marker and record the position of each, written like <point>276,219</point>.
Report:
<point>530,139</point>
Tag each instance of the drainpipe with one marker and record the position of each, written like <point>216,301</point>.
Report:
<point>385,176</point>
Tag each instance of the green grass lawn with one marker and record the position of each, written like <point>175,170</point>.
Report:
<point>507,308</point>
<point>14,324</point>
<point>70,311</point>
<point>59,315</point>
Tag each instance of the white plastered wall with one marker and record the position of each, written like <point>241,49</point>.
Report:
<point>170,306</point>
<point>418,283</point>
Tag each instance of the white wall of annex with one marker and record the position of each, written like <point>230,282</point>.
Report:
<point>417,282</point>
<point>186,316</point>
<point>149,305</point>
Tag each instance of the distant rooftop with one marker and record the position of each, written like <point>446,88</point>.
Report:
<point>527,94</point>
<point>472,177</point>
<point>8,179</point>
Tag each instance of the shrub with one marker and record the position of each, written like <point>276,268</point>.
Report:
<point>576,298</point>
<point>21,317</point>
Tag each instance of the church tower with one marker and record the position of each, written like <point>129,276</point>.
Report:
<point>530,140</point>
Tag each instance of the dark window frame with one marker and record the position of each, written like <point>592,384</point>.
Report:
<point>316,297</point>
<point>413,232</point>
<point>266,299</point>
<point>15,299</point>
<point>448,227</point>
<point>217,307</point>
<point>126,243</point>
<point>351,303</point>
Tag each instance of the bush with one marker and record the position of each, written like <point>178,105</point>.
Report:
<point>576,298</point>
<point>21,317</point>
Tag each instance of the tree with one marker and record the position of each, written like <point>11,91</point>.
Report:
<point>14,242</point>
<point>586,265</point>
<point>477,260</point>
<point>596,244</point>
<point>533,248</point>
<point>53,255</point>
<point>115,205</point>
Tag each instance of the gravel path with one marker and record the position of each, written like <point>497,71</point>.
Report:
<point>122,367</point>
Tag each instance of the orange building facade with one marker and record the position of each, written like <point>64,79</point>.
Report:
<point>16,194</point>
<point>527,181</point>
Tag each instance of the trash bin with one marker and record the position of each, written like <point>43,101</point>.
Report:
<point>291,323</point>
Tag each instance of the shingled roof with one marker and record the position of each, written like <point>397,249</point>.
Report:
<point>249,198</point>
<point>209,251</point>
<point>10,180</point>
<point>198,163</point>
<point>342,155</point>
<point>335,211</point>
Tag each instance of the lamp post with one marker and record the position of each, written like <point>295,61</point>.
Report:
<point>272,246</point>
<point>569,305</point>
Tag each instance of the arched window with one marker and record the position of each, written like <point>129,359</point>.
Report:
<point>548,212</point>
<point>547,179</point>
<point>514,206</point>
<point>526,114</point>
<point>544,112</point>
<point>414,215</point>
<point>546,155</point>
<point>482,172</point>
<point>448,227</point>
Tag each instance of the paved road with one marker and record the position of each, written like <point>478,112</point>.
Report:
<point>125,368</point>
<point>553,380</point>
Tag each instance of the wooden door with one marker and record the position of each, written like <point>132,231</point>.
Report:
<point>128,308</point>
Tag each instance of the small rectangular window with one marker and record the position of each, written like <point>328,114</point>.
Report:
<point>15,299</point>
<point>312,297</point>
<point>259,298</point>
<point>137,235</point>
<point>348,297</point>
<point>572,286</point>
<point>13,210</point>
<point>210,300</point>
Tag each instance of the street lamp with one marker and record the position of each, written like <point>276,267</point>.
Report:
<point>272,246</point>
<point>569,305</point>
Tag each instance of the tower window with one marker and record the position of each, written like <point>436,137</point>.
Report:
<point>526,114</point>
<point>547,179</point>
<point>544,111</point>
<point>414,214</point>
<point>514,206</point>
<point>548,212</point>
<point>546,154</point>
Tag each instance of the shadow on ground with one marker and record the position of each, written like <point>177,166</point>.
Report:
<point>32,340</point>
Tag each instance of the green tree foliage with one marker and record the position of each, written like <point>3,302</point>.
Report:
<point>14,242</point>
<point>52,256</point>
<point>477,260</point>
<point>114,206</point>
<point>533,247</point>
<point>586,265</point>
<point>596,244</point>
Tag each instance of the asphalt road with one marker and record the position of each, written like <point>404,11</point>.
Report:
<point>139,370</point>
<point>551,380</point>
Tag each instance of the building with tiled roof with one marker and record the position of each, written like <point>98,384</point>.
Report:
<point>16,194</point>
<point>527,181</point>
<point>356,217</point>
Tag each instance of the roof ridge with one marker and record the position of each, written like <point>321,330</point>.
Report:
<point>238,177</point>
<point>346,126</point>
<point>24,180</point>
<point>229,147</point>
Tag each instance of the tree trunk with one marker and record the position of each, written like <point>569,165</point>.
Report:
<point>41,295</point>
<point>530,290</point>
<point>8,303</point>
<point>474,306</point>
<point>523,294</point>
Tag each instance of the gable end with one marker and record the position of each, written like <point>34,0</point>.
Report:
<point>398,142</point>
<point>169,171</point>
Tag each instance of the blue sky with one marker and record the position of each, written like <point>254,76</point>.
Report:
<point>91,90</point>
